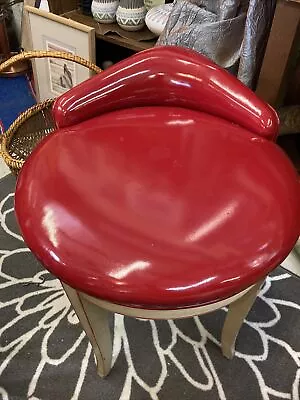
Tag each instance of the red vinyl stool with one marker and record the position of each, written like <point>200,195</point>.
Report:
<point>160,195</point>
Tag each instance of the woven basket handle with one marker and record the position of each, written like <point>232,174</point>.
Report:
<point>26,55</point>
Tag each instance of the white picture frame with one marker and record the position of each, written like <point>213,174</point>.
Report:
<point>25,34</point>
<point>47,31</point>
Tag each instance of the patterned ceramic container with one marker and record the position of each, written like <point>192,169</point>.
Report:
<point>104,11</point>
<point>131,15</point>
<point>157,18</point>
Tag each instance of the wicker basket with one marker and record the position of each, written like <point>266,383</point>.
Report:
<point>36,122</point>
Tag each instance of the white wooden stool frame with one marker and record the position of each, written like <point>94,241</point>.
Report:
<point>93,314</point>
<point>292,262</point>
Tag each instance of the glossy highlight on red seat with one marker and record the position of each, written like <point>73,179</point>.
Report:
<point>158,207</point>
<point>168,76</point>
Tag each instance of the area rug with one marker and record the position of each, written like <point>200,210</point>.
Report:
<point>15,97</point>
<point>44,355</point>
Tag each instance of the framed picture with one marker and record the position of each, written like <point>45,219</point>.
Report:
<point>25,34</point>
<point>50,32</point>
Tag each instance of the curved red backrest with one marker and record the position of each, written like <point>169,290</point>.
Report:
<point>167,76</point>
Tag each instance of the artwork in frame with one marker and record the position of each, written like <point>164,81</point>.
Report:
<point>50,32</point>
<point>62,74</point>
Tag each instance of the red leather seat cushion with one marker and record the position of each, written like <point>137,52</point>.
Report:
<point>158,207</point>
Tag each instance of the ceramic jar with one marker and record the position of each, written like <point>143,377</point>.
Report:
<point>104,11</point>
<point>131,15</point>
<point>157,17</point>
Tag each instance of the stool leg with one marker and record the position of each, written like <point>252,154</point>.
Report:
<point>94,321</point>
<point>236,314</point>
<point>292,262</point>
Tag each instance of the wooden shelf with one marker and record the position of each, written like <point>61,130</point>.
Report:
<point>130,43</point>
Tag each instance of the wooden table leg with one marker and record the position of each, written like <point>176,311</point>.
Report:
<point>94,321</point>
<point>236,314</point>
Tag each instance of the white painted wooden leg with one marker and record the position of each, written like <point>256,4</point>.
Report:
<point>237,312</point>
<point>94,321</point>
<point>292,262</point>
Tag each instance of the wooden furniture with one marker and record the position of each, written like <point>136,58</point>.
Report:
<point>62,6</point>
<point>5,53</point>
<point>93,315</point>
<point>282,47</point>
<point>4,43</point>
<point>70,9</point>
<point>129,43</point>
<point>151,205</point>
<point>277,63</point>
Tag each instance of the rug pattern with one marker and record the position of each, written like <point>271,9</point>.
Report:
<point>44,353</point>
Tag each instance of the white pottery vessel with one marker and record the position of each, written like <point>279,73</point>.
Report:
<point>131,19</point>
<point>104,11</point>
<point>157,18</point>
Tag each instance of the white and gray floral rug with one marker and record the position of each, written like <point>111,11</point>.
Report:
<point>44,354</point>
